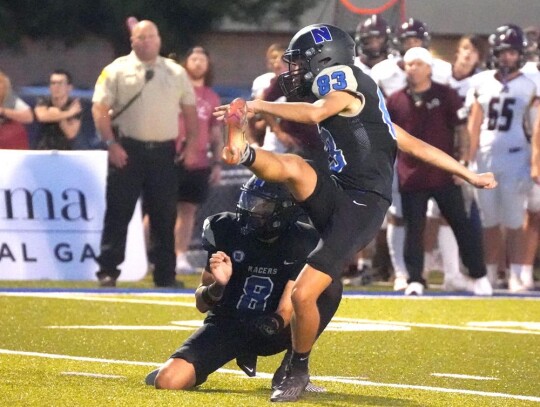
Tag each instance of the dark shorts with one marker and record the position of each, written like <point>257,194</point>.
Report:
<point>221,340</point>
<point>347,220</point>
<point>193,185</point>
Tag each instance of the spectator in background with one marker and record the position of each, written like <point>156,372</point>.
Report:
<point>14,113</point>
<point>434,113</point>
<point>261,131</point>
<point>390,76</point>
<point>142,94</point>
<point>194,183</point>
<point>59,114</point>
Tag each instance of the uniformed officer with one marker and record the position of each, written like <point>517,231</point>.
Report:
<point>137,100</point>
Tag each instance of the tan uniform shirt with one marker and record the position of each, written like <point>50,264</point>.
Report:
<point>153,116</point>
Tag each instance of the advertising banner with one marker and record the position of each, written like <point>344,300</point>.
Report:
<point>52,206</point>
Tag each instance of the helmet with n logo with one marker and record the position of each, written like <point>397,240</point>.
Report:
<point>312,49</point>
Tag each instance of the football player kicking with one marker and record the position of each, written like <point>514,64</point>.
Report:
<point>346,204</point>
<point>254,256</point>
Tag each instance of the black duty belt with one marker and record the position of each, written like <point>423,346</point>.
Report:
<point>147,145</point>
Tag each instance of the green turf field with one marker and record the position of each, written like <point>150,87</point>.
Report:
<point>92,349</point>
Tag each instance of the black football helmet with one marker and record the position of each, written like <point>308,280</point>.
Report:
<point>412,28</point>
<point>373,26</point>
<point>265,209</point>
<point>508,36</point>
<point>312,49</point>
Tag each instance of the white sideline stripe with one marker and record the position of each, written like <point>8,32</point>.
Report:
<point>92,297</point>
<point>98,375</point>
<point>268,375</point>
<point>125,327</point>
<point>463,376</point>
<point>438,326</point>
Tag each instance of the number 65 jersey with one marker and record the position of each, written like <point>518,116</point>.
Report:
<point>505,107</point>
<point>361,145</point>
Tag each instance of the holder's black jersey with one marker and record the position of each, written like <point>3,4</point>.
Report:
<point>361,148</point>
<point>260,270</point>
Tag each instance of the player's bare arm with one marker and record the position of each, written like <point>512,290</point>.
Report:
<point>309,113</point>
<point>474,122</point>
<point>213,281</point>
<point>432,155</point>
<point>117,155</point>
<point>285,307</point>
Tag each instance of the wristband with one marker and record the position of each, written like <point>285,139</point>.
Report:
<point>207,298</point>
<point>109,143</point>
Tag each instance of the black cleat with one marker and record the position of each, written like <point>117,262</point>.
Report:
<point>151,377</point>
<point>291,388</point>
<point>281,371</point>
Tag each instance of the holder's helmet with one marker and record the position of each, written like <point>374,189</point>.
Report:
<point>265,209</point>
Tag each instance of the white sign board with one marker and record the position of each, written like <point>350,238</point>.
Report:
<point>52,206</point>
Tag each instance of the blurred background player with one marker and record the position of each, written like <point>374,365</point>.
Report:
<point>372,38</point>
<point>532,217</point>
<point>254,256</point>
<point>501,100</point>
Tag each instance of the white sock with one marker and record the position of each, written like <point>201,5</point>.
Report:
<point>449,250</point>
<point>527,275</point>
<point>492,272</point>
<point>395,236</point>
<point>515,270</point>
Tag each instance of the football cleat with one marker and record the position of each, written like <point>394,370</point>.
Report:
<point>151,377</point>
<point>291,388</point>
<point>235,143</point>
<point>281,371</point>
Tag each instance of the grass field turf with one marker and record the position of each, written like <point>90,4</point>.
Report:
<point>432,335</point>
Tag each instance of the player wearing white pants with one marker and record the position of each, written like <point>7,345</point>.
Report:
<point>501,101</point>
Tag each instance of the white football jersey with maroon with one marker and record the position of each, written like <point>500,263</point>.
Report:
<point>505,107</point>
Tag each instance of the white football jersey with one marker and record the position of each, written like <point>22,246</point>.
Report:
<point>366,69</point>
<point>530,67</point>
<point>390,77</point>
<point>505,107</point>
<point>461,86</point>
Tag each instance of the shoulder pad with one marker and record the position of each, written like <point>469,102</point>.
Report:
<point>335,78</point>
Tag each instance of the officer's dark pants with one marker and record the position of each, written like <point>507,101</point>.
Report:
<point>150,170</point>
